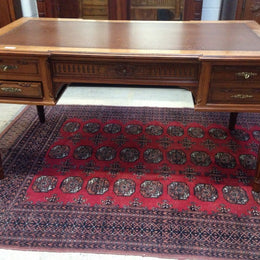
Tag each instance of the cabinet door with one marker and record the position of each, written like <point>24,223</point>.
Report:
<point>48,8</point>
<point>59,8</point>
<point>94,9</point>
<point>193,10</point>
<point>5,14</point>
<point>10,10</point>
<point>69,8</point>
<point>248,10</point>
<point>175,10</point>
<point>156,9</point>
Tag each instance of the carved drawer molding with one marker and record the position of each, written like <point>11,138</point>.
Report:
<point>127,70</point>
<point>20,89</point>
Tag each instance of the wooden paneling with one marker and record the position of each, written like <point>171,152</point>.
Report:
<point>156,9</point>
<point>122,10</point>
<point>248,10</point>
<point>47,8</point>
<point>91,9</point>
<point>59,8</point>
<point>118,9</point>
<point>69,8</point>
<point>5,13</point>
<point>192,10</point>
<point>10,11</point>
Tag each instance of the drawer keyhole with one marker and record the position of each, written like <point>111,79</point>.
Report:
<point>246,75</point>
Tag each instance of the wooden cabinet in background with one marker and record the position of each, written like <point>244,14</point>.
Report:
<point>59,8</point>
<point>122,10</point>
<point>10,11</point>
<point>248,10</point>
<point>240,10</point>
<point>192,10</point>
<point>94,9</point>
<point>156,9</point>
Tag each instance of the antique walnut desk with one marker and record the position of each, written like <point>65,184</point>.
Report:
<point>219,62</point>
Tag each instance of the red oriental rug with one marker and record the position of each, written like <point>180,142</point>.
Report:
<point>147,181</point>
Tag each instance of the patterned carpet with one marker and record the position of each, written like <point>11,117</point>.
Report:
<point>146,181</point>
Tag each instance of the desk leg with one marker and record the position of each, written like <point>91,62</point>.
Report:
<point>41,114</point>
<point>256,183</point>
<point>1,169</point>
<point>232,120</point>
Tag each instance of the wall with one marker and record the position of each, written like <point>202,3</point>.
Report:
<point>29,8</point>
<point>211,9</point>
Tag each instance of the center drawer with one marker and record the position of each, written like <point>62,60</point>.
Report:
<point>126,70</point>
<point>20,89</point>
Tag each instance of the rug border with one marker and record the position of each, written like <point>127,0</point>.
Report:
<point>112,252</point>
<point>14,120</point>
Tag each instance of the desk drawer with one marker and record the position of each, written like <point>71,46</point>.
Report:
<point>20,89</point>
<point>127,70</point>
<point>234,94</point>
<point>18,67</point>
<point>235,73</point>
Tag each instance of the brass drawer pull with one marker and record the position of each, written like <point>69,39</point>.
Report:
<point>242,96</point>
<point>11,90</point>
<point>246,75</point>
<point>25,84</point>
<point>4,67</point>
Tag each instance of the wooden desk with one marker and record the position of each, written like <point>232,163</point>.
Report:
<point>219,62</point>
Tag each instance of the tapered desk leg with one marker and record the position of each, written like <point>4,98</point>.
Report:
<point>41,114</point>
<point>256,183</point>
<point>232,120</point>
<point>1,169</point>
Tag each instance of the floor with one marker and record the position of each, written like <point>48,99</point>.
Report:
<point>123,96</point>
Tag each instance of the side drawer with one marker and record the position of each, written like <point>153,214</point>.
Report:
<point>222,73</point>
<point>19,67</point>
<point>236,94</point>
<point>20,89</point>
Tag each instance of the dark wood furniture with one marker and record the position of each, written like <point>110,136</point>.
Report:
<point>240,10</point>
<point>38,57</point>
<point>192,10</point>
<point>10,11</point>
<point>59,8</point>
<point>122,10</point>
<point>248,10</point>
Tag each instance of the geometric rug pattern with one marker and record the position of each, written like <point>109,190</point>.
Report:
<point>152,165</point>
